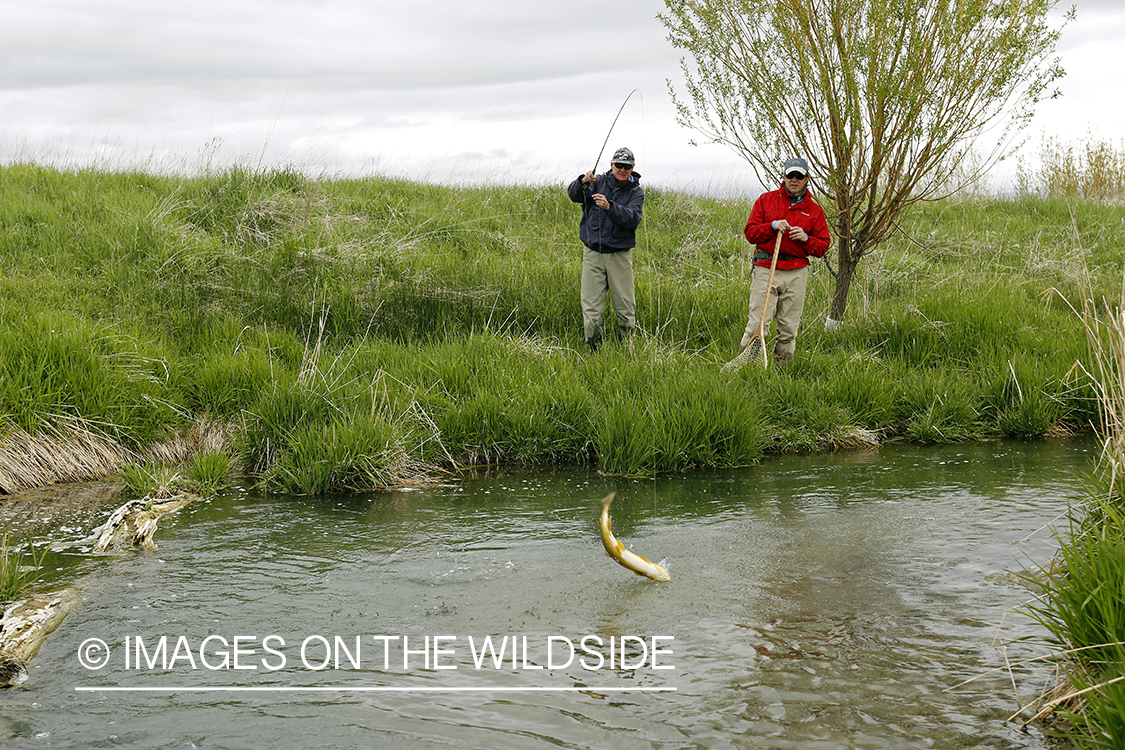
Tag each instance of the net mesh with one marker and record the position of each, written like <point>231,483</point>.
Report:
<point>752,353</point>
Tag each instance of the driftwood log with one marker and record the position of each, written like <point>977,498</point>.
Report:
<point>25,628</point>
<point>134,523</point>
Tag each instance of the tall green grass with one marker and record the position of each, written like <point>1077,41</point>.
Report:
<point>352,324</point>
<point>1083,596</point>
<point>54,365</point>
<point>1084,607</point>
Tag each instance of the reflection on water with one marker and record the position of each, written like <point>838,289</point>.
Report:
<point>815,602</point>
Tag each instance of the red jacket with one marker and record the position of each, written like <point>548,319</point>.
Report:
<point>807,215</point>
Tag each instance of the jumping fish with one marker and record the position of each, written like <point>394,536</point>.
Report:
<point>642,566</point>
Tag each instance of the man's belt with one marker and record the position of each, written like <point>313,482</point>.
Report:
<point>597,247</point>
<point>760,254</point>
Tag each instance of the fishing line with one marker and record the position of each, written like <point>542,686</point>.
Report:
<point>644,151</point>
<point>644,224</point>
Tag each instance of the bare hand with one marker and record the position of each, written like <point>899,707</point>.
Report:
<point>798,235</point>
<point>589,177</point>
<point>600,200</point>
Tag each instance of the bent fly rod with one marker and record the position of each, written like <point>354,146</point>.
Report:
<point>607,135</point>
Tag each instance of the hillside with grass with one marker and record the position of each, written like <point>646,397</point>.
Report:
<point>351,334</point>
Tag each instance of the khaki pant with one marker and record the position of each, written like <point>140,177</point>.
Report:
<point>613,272</point>
<point>787,302</point>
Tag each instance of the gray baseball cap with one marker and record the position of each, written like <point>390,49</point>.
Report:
<point>796,165</point>
<point>623,156</point>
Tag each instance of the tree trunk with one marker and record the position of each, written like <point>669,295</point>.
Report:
<point>845,271</point>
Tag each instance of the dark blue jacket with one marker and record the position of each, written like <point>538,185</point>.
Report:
<point>614,229</point>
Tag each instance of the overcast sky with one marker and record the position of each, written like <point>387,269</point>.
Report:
<point>438,90</point>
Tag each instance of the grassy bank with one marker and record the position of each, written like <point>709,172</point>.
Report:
<point>360,333</point>
<point>1082,602</point>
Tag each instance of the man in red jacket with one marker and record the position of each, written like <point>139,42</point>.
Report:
<point>804,234</point>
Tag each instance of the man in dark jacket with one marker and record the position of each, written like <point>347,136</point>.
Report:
<point>611,210</point>
<point>804,234</point>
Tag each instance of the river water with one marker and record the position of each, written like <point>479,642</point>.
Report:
<point>815,602</point>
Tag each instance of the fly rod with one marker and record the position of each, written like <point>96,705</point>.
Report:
<point>607,135</point>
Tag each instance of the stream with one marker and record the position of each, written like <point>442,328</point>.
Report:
<point>816,602</point>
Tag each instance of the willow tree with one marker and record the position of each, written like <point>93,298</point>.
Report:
<point>885,99</point>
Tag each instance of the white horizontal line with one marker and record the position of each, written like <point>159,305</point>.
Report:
<point>378,689</point>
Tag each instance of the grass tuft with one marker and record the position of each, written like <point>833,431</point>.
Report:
<point>19,569</point>
<point>152,480</point>
<point>209,471</point>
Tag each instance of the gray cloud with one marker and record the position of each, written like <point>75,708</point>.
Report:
<point>429,85</point>
<point>1096,21</point>
<point>340,45</point>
